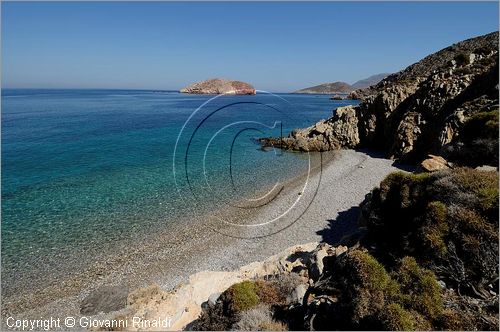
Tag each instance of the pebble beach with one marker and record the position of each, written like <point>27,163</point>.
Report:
<point>327,210</point>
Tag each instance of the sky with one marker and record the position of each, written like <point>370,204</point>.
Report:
<point>277,47</point>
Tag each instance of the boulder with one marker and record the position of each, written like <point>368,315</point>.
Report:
<point>434,163</point>
<point>487,168</point>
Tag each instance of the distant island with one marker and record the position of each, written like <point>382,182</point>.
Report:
<point>328,88</point>
<point>220,86</point>
<point>343,87</point>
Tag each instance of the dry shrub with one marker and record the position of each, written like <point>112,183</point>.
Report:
<point>258,319</point>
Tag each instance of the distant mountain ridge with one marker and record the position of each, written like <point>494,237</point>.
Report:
<point>343,87</point>
<point>369,81</point>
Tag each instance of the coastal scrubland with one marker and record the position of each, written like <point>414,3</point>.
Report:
<point>427,259</point>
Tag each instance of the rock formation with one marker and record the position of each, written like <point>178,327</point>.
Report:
<point>417,111</point>
<point>220,86</point>
<point>340,131</point>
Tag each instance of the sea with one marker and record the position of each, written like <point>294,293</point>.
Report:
<point>83,170</point>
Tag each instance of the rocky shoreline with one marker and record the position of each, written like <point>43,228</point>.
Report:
<point>421,110</point>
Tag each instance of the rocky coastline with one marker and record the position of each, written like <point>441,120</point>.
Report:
<point>423,109</point>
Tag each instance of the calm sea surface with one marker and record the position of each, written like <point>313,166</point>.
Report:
<point>84,169</point>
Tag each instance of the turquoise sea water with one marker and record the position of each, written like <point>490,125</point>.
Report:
<point>83,169</point>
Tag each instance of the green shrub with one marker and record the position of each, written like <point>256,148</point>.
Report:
<point>478,142</point>
<point>447,221</point>
<point>241,296</point>
<point>395,318</point>
<point>482,125</point>
<point>462,59</point>
<point>227,311</point>
<point>484,187</point>
<point>435,229</point>
<point>419,289</point>
<point>363,284</point>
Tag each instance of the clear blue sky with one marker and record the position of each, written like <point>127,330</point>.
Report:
<point>275,46</point>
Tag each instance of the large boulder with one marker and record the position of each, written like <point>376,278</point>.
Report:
<point>434,163</point>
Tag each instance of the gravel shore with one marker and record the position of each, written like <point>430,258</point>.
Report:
<point>319,206</point>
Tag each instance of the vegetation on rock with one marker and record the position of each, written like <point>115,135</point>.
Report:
<point>478,144</point>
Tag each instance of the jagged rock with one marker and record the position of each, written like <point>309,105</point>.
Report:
<point>344,128</point>
<point>220,86</point>
<point>339,131</point>
<point>340,250</point>
<point>184,304</point>
<point>297,295</point>
<point>316,264</point>
<point>353,95</point>
<point>434,163</point>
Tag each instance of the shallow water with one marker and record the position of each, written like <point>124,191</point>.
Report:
<point>83,170</point>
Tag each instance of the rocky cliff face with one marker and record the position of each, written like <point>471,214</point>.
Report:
<point>420,110</point>
<point>220,86</point>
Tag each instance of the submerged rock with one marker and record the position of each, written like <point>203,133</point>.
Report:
<point>105,299</point>
<point>336,97</point>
